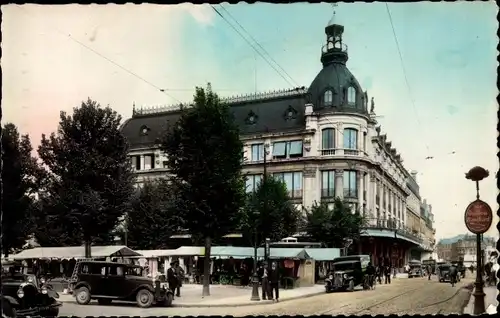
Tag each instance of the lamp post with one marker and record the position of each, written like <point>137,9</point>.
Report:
<point>478,218</point>
<point>255,278</point>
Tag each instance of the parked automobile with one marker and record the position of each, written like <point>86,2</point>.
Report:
<point>443,273</point>
<point>108,281</point>
<point>416,269</point>
<point>25,294</point>
<point>348,272</point>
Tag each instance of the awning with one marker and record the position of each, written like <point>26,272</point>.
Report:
<point>323,254</point>
<point>189,251</point>
<point>378,233</point>
<point>76,252</point>
<point>232,251</point>
<point>293,253</point>
<point>154,253</point>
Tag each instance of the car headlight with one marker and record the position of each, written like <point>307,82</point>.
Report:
<point>330,277</point>
<point>30,279</point>
<point>42,280</point>
<point>44,290</point>
<point>20,293</point>
<point>345,276</point>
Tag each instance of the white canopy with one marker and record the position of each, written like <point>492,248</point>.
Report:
<point>154,253</point>
<point>75,252</point>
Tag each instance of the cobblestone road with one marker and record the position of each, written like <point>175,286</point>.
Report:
<point>403,296</point>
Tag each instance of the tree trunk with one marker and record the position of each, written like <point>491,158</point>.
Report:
<point>206,267</point>
<point>88,249</point>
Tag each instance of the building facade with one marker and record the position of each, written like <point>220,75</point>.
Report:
<point>323,142</point>
<point>463,247</point>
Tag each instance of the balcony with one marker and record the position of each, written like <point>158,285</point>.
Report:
<point>392,225</point>
<point>341,152</point>
<point>328,152</point>
<point>350,193</point>
<point>328,193</point>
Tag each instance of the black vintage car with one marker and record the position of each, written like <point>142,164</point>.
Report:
<point>348,272</point>
<point>108,281</point>
<point>443,273</point>
<point>26,295</point>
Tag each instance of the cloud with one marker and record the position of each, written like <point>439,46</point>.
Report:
<point>202,13</point>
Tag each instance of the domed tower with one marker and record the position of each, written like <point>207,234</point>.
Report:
<point>335,88</point>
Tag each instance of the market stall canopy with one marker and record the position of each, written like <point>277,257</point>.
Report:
<point>233,251</point>
<point>323,254</point>
<point>154,253</point>
<point>189,251</point>
<point>293,253</point>
<point>76,252</point>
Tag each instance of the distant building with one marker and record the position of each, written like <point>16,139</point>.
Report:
<point>463,247</point>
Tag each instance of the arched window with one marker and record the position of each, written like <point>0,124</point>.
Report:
<point>328,141</point>
<point>351,96</point>
<point>328,98</point>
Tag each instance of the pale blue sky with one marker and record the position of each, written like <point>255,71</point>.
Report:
<point>448,49</point>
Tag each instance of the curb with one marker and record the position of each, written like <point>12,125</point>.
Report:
<point>245,304</point>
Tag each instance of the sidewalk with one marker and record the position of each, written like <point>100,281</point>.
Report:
<point>228,296</point>
<point>490,301</point>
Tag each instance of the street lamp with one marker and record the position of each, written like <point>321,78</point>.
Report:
<point>255,278</point>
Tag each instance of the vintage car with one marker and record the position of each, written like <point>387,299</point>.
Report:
<point>415,269</point>
<point>348,272</point>
<point>108,281</point>
<point>25,294</point>
<point>443,273</point>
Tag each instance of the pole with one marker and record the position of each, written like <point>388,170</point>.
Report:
<point>255,277</point>
<point>479,307</point>
<point>264,180</point>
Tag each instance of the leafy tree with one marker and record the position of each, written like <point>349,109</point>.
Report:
<point>268,213</point>
<point>90,178</point>
<point>153,217</point>
<point>204,156</point>
<point>333,227</point>
<point>19,177</point>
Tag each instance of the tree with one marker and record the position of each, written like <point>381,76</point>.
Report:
<point>19,177</point>
<point>268,213</point>
<point>204,155</point>
<point>90,177</point>
<point>153,217</point>
<point>333,227</point>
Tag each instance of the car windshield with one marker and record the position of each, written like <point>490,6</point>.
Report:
<point>444,268</point>
<point>415,266</point>
<point>345,266</point>
<point>134,271</point>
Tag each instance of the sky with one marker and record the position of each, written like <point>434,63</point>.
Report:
<point>437,99</point>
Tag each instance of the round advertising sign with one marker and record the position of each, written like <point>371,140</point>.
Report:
<point>478,217</point>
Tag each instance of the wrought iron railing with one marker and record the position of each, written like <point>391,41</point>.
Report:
<point>351,193</point>
<point>394,225</point>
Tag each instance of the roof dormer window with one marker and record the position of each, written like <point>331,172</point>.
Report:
<point>351,96</point>
<point>328,98</point>
<point>145,130</point>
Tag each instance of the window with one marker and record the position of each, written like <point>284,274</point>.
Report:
<point>351,96</point>
<point>287,149</point>
<point>350,184</point>
<point>364,142</point>
<point>328,141</point>
<point>116,271</point>
<point>328,98</point>
<point>93,269</point>
<point>136,162</point>
<point>292,181</point>
<point>258,152</point>
<point>252,182</point>
<point>350,141</point>
<point>328,184</point>
<point>133,162</point>
<point>149,162</point>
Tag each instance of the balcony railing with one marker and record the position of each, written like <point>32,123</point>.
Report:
<point>393,225</point>
<point>327,152</point>
<point>295,194</point>
<point>341,152</point>
<point>328,193</point>
<point>351,193</point>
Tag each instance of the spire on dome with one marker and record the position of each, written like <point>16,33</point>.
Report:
<point>332,19</point>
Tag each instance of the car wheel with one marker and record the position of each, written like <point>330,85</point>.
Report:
<point>82,296</point>
<point>104,301</point>
<point>144,298</point>
<point>168,300</point>
<point>7,310</point>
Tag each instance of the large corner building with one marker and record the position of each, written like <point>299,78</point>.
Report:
<point>323,142</point>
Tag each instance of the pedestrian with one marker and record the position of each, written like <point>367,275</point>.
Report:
<point>265,282</point>
<point>274,279</point>
<point>394,272</point>
<point>172,277</point>
<point>180,278</point>
<point>378,274</point>
<point>429,271</point>
<point>387,274</point>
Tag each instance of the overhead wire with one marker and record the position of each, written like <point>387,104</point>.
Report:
<point>252,46</point>
<point>259,45</point>
<point>162,90</point>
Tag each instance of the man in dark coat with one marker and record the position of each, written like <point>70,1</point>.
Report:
<point>172,277</point>
<point>387,272</point>
<point>274,279</point>
<point>180,277</point>
<point>265,282</point>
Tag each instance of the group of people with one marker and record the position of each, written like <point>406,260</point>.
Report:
<point>175,277</point>
<point>378,272</point>
<point>269,278</point>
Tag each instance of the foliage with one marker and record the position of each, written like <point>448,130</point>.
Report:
<point>153,217</point>
<point>268,213</point>
<point>204,157</point>
<point>89,175</point>
<point>19,177</point>
<point>333,227</point>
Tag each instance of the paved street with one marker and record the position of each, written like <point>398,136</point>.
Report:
<point>403,296</point>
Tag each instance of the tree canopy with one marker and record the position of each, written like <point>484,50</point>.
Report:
<point>153,217</point>
<point>333,227</point>
<point>19,176</point>
<point>204,156</point>
<point>268,213</point>
<point>90,181</point>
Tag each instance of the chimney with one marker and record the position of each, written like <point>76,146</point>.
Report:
<point>414,175</point>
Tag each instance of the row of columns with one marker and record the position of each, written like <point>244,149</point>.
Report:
<point>378,187</point>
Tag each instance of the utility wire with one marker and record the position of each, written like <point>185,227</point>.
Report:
<point>162,90</point>
<point>404,70</point>
<point>252,46</point>
<point>259,45</point>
